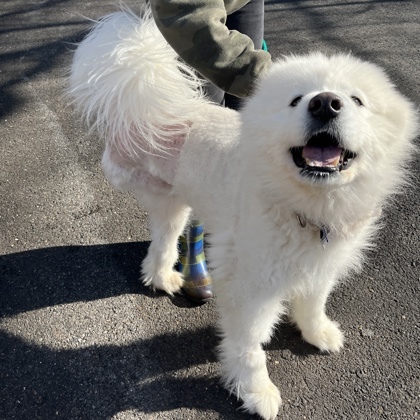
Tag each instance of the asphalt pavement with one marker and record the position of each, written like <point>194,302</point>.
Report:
<point>82,338</point>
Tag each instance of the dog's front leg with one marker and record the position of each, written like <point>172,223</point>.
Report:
<point>308,312</point>
<point>246,321</point>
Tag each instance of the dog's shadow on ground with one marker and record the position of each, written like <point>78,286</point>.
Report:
<point>100,381</point>
<point>97,381</point>
<point>51,276</point>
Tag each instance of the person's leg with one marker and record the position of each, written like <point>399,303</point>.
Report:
<point>214,93</point>
<point>197,282</point>
<point>192,264</point>
<point>249,21</point>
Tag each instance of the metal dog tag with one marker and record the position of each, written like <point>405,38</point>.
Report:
<point>323,235</point>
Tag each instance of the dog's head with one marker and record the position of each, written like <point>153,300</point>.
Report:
<point>325,122</point>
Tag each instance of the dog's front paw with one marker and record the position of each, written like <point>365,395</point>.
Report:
<point>169,281</point>
<point>327,336</point>
<point>245,374</point>
<point>265,402</point>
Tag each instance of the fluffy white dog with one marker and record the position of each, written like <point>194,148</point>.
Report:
<point>290,188</point>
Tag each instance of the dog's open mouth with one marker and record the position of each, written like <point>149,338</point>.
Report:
<point>322,156</point>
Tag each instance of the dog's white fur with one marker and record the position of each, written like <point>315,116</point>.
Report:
<point>175,151</point>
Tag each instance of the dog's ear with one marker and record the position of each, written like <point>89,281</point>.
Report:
<point>400,124</point>
<point>405,116</point>
<point>399,113</point>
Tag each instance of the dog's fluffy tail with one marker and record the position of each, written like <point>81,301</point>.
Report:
<point>130,85</point>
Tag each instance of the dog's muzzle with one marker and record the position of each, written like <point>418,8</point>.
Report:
<point>323,154</point>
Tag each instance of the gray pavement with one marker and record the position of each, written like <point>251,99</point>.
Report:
<point>81,338</point>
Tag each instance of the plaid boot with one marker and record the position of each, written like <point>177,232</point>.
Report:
<point>192,264</point>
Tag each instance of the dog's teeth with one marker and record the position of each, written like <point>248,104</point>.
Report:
<point>336,162</point>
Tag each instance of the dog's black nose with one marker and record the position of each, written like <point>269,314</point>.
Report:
<point>325,106</point>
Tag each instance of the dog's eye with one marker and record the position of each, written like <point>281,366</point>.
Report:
<point>295,101</point>
<point>357,100</point>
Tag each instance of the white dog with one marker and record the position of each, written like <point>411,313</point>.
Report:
<point>290,188</point>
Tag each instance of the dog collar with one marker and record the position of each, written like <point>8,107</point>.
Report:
<point>324,230</point>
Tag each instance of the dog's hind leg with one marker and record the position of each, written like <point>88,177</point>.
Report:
<point>308,312</point>
<point>168,217</point>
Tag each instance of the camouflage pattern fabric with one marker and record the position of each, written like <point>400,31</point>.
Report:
<point>196,30</point>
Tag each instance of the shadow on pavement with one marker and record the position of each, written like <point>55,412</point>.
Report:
<point>98,382</point>
<point>52,276</point>
<point>34,38</point>
<point>103,380</point>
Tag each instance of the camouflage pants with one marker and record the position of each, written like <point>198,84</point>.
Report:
<point>249,21</point>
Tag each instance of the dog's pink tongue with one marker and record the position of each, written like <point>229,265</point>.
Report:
<point>321,156</point>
